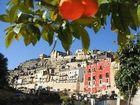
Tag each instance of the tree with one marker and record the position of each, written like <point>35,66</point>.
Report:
<point>33,19</point>
<point>127,78</point>
<point>3,71</point>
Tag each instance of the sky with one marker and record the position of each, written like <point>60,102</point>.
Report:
<point>18,53</point>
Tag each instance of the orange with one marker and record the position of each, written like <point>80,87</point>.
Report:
<point>71,9</point>
<point>91,7</point>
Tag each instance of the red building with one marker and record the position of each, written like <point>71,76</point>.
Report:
<point>97,76</point>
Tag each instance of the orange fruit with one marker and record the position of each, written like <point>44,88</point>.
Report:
<point>71,9</point>
<point>91,7</point>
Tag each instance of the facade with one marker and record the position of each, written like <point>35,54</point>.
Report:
<point>64,71</point>
<point>113,69</point>
<point>70,79</point>
<point>97,76</point>
<point>72,76</point>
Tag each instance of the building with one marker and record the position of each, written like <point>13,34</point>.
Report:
<point>113,69</point>
<point>62,70</point>
<point>70,79</point>
<point>97,76</point>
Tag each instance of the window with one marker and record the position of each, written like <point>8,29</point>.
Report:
<point>89,83</point>
<point>100,79</point>
<point>89,78</point>
<point>94,82</point>
<point>94,77</point>
<point>94,69</point>
<point>63,67</point>
<point>100,76</point>
<point>89,71</point>
<point>107,77</point>
<point>52,71</point>
<point>107,80</point>
<point>100,68</point>
<point>45,72</point>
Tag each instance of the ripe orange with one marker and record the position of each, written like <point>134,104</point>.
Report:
<point>91,7</point>
<point>71,9</point>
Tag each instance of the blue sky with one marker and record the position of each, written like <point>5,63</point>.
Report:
<point>18,52</point>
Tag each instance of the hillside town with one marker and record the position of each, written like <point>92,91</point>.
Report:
<point>33,76</point>
<point>91,73</point>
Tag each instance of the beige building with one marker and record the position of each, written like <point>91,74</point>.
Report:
<point>113,69</point>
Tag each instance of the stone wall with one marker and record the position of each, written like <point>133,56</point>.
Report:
<point>62,86</point>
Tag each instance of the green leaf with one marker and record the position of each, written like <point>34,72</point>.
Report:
<point>75,28</point>
<point>17,37</point>
<point>36,32</point>
<point>33,40</point>
<point>9,38</point>
<point>53,15</point>
<point>66,38</point>
<point>29,3</point>
<point>23,17</point>
<point>104,1</point>
<point>9,29</point>
<point>52,2</point>
<point>96,25</point>
<point>121,39</point>
<point>27,39</point>
<point>67,44</point>
<point>39,12</point>
<point>23,8</point>
<point>47,34</point>
<point>85,21</point>
<point>4,18</point>
<point>29,35</point>
<point>85,39</point>
<point>13,13</point>
<point>138,12</point>
<point>123,17</point>
<point>81,32</point>
<point>32,29</point>
<point>15,2</point>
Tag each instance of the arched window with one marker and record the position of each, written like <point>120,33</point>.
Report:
<point>100,76</point>
<point>100,68</point>
<point>100,79</point>
<point>107,77</point>
<point>94,78</point>
<point>94,81</point>
<point>89,78</point>
<point>89,71</point>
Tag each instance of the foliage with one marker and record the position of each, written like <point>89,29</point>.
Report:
<point>85,102</point>
<point>65,98</point>
<point>47,96</point>
<point>3,71</point>
<point>35,19</point>
<point>127,78</point>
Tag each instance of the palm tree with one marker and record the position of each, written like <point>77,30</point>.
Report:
<point>3,71</point>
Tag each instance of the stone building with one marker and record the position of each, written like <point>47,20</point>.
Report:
<point>59,70</point>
